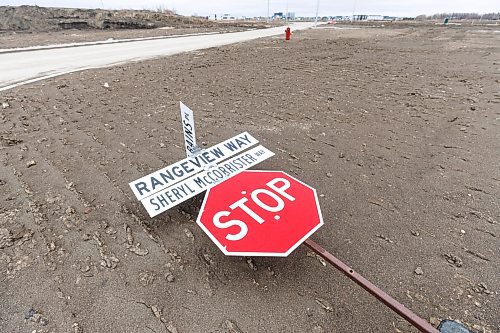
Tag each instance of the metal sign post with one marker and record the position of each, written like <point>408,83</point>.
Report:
<point>394,305</point>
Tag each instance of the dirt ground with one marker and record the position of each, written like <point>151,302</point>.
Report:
<point>397,129</point>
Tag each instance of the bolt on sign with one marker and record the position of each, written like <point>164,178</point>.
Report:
<point>200,171</point>
<point>260,213</point>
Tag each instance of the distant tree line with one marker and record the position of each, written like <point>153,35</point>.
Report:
<point>460,16</point>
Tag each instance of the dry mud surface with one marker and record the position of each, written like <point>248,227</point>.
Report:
<point>397,129</point>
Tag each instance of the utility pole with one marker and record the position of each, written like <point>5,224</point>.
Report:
<point>268,18</point>
<point>317,11</point>
<point>286,17</point>
<point>353,11</point>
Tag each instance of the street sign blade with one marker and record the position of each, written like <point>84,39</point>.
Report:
<point>173,195</point>
<point>161,179</point>
<point>187,119</point>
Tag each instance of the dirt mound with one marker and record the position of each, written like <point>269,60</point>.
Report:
<point>34,18</point>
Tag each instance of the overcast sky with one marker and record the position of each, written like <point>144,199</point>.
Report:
<point>300,7</point>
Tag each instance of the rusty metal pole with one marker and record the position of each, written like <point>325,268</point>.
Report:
<point>394,305</point>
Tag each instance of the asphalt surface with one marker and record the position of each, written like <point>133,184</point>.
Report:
<point>19,68</point>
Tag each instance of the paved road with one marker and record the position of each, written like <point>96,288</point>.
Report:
<point>17,68</point>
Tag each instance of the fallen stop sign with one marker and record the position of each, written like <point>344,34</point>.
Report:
<point>260,213</point>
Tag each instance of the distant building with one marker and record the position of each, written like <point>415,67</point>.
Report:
<point>341,18</point>
<point>372,18</point>
<point>228,17</point>
<point>375,18</point>
<point>359,17</point>
<point>278,16</point>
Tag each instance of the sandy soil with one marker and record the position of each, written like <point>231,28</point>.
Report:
<point>397,129</point>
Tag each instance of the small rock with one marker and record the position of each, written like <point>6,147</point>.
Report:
<point>419,271</point>
<point>415,233</point>
<point>451,326</point>
<point>314,255</point>
<point>77,328</point>
<point>208,259</point>
<point>137,250</point>
<point>388,240</point>
<point>341,155</point>
<point>169,277</point>
<point>156,311</point>
<point>329,174</point>
<point>171,328</point>
<point>434,321</point>
<point>188,233</point>
<point>251,264</point>
<point>36,317</point>
<point>146,278</point>
<point>31,163</point>
<point>5,105</point>
<point>130,237</point>
<point>454,260</point>
<point>31,312</point>
<point>324,304</point>
<point>482,288</point>
<point>106,85</point>
<point>5,238</point>
<point>317,329</point>
<point>51,246</point>
<point>230,327</point>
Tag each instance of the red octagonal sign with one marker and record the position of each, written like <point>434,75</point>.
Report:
<point>260,213</point>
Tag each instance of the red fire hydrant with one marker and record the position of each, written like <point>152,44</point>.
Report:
<point>288,33</point>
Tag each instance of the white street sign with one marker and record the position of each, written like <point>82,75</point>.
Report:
<point>174,173</point>
<point>197,183</point>
<point>187,120</point>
